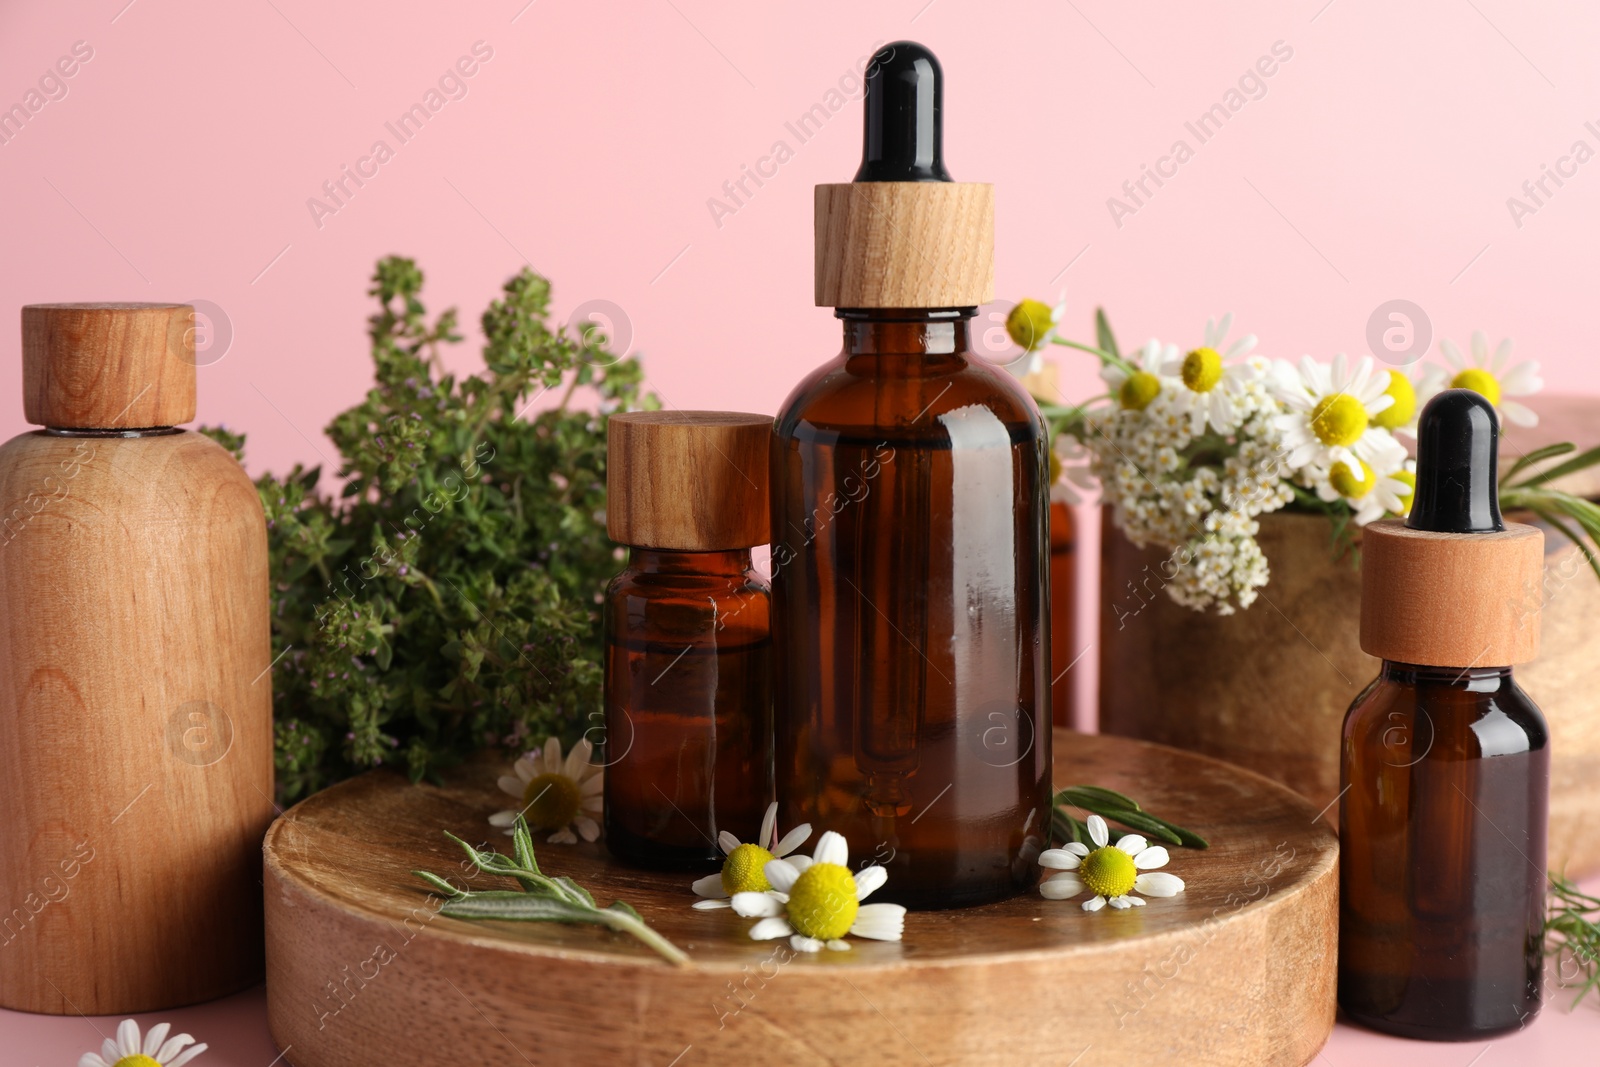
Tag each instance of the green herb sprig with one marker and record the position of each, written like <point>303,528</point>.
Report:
<point>1118,808</point>
<point>543,898</point>
<point>1572,931</point>
<point>1572,516</point>
<point>441,595</point>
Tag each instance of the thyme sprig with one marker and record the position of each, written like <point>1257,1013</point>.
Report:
<point>1572,932</point>
<point>543,898</point>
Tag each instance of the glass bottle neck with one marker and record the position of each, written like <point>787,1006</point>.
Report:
<point>906,331</point>
<point>730,562</point>
<point>1482,679</point>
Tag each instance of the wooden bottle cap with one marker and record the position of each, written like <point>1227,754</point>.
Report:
<point>1451,599</point>
<point>108,366</point>
<point>904,244</point>
<point>693,481</point>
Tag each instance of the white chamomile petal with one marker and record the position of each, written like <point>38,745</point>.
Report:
<point>781,874</point>
<point>880,922</point>
<point>832,848</point>
<point>1132,844</point>
<point>727,842</point>
<point>1520,414</point>
<point>839,944</point>
<point>1119,902</point>
<point>128,1038</point>
<point>756,905</point>
<point>767,929</point>
<point>711,904</point>
<point>1077,848</point>
<point>152,1040</point>
<point>1158,884</point>
<point>511,784</point>
<point>503,818</point>
<point>1136,902</point>
<point>1098,832</point>
<point>588,829</point>
<point>801,943</point>
<point>552,754</point>
<point>869,879</point>
<point>1151,858</point>
<point>792,840</point>
<point>578,759</point>
<point>187,1056</point>
<point>1061,887</point>
<point>1522,379</point>
<point>92,1059</point>
<point>709,886</point>
<point>769,826</point>
<point>1094,903</point>
<point>1059,859</point>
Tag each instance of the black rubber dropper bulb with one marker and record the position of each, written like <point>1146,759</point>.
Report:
<point>1457,460</point>
<point>903,135</point>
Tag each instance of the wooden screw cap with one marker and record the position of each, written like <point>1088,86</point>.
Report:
<point>692,481</point>
<point>1451,600</point>
<point>108,366</point>
<point>904,244</point>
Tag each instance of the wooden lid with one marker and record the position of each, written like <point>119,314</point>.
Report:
<point>919,244</point>
<point>108,366</point>
<point>694,481</point>
<point>1450,599</point>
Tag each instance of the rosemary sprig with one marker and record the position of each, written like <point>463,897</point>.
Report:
<point>542,899</point>
<point>1573,517</point>
<point>1572,929</point>
<point>1118,808</point>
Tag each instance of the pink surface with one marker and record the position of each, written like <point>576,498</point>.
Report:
<point>1374,163</point>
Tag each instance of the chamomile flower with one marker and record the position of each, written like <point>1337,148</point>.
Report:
<point>744,869</point>
<point>1206,383</point>
<point>155,1050</point>
<point>559,795</point>
<point>1372,495</point>
<point>1401,415</point>
<point>1135,388</point>
<point>1033,325</point>
<point>1113,873</point>
<point>815,904</point>
<point>1331,413</point>
<point>1487,375</point>
<point>1069,469</point>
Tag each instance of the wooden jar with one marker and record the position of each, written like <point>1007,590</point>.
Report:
<point>1267,688</point>
<point>135,698</point>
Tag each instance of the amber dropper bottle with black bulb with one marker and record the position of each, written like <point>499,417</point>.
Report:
<point>910,544</point>
<point>1446,761</point>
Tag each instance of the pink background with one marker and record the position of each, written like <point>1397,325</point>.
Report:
<point>1376,166</point>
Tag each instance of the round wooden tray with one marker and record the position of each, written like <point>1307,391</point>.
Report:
<point>1238,969</point>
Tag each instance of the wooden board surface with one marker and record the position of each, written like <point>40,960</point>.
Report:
<point>1238,969</point>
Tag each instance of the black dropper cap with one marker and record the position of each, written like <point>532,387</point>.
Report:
<point>903,136</point>
<point>1457,457</point>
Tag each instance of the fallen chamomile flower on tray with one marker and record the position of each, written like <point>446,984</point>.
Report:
<point>744,870</point>
<point>156,1050</point>
<point>557,795</point>
<point>1111,872</point>
<point>816,903</point>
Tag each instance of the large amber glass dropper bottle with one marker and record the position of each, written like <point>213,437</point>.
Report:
<point>1446,761</point>
<point>910,544</point>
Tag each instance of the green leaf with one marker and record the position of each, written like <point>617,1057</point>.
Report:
<point>517,907</point>
<point>1103,337</point>
<point>1538,455</point>
<point>1582,460</point>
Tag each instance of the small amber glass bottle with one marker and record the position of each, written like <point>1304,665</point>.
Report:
<point>910,540</point>
<point>1445,759</point>
<point>688,692</point>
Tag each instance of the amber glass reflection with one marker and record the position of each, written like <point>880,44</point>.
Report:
<point>1442,853</point>
<point>688,706</point>
<point>1063,603</point>
<point>911,607</point>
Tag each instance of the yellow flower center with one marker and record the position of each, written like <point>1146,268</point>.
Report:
<point>1343,480</point>
<point>550,801</point>
<point>1108,872</point>
<point>744,871</point>
<point>1399,413</point>
<point>1138,390</point>
<point>822,903</point>
<point>1202,370</point>
<point>1055,467</point>
<point>138,1059</point>
<point>1479,381</point>
<point>1405,498</point>
<point>1340,419</point>
<point>1028,324</point>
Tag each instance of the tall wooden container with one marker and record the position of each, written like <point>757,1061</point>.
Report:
<point>1267,688</point>
<point>135,700</point>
